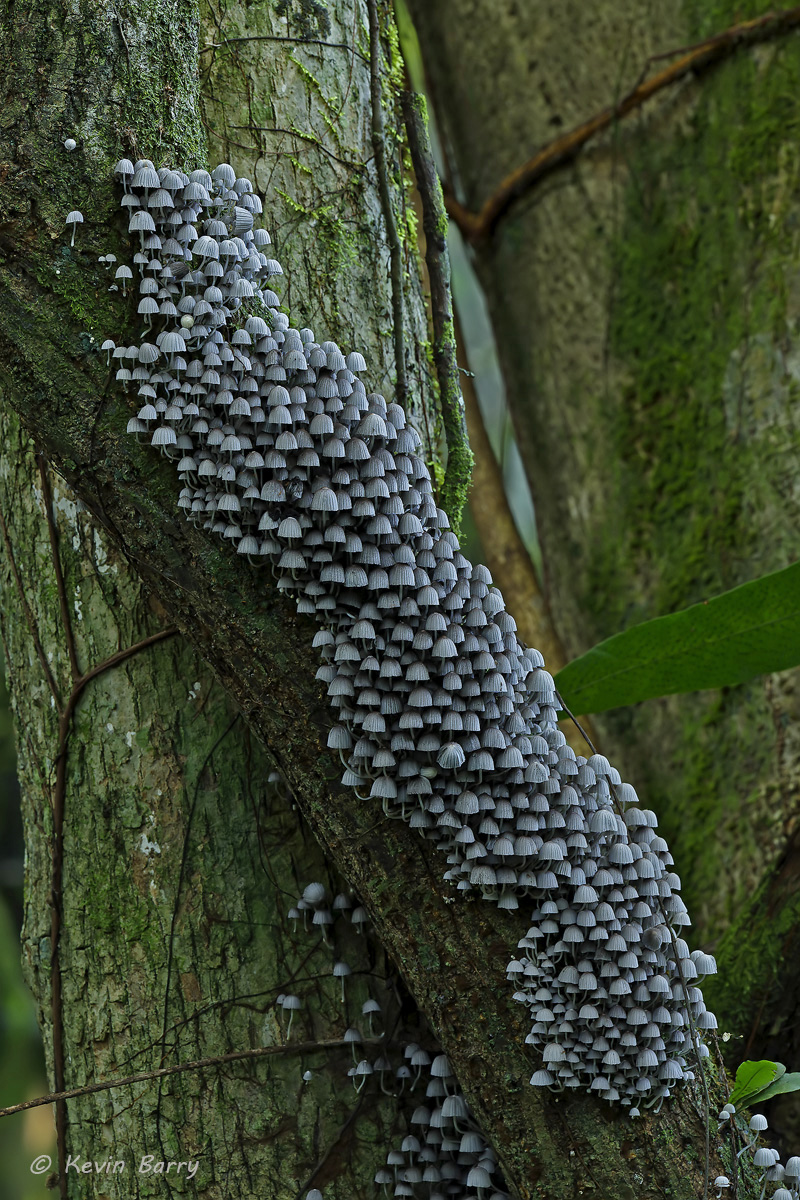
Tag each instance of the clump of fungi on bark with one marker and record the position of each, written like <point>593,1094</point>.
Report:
<point>443,718</point>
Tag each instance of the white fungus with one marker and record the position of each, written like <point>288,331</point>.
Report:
<point>442,716</point>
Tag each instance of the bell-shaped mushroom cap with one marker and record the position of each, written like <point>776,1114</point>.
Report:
<point>705,963</point>
<point>314,893</point>
<point>74,218</point>
<point>224,174</point>
<point>141,222</point>
<point>145,176</point>
<point>451,756</point>
<point>171,343</point>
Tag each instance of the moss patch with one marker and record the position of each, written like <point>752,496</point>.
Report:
<point>702,313</point>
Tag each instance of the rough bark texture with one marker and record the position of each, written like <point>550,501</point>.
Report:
<point>180,861</point>
<point>296,117</point>
<point>645,303</point>
<point>180,864</point>
<point>452,953</point>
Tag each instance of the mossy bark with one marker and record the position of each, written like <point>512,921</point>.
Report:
<point>180,864</point>
<point>180,860</point>
<point>174,915</point>
<point>645,303</point>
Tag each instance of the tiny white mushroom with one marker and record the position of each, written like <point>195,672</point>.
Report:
<point>74,218</point>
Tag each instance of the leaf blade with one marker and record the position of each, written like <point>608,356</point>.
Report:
<point>754,1077</point>
<point>787,1083</point>
<point>750,630</point>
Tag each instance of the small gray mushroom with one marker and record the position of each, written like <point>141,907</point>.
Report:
<point>74,219</point>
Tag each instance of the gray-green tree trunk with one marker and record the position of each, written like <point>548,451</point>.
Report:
<point>645,304</point>
<point>179,861</point>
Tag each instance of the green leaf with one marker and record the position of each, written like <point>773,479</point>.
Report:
<point>752,1078</point>
<point>751,630</point>
<point>787,1083</point>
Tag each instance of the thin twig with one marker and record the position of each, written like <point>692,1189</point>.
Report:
<point>305,137</point>
<point>29,618</point>
<point>176,905</point>
<point>477,226</point>
<point>118,657</point>
<point>197,1065</point>
<point>460,460</point>
<point>57,854</point>
<point>395,254</point>
<point>294,41</point>
<point>66,712</point>
<point>60,585</point>
<point>301,1191</point>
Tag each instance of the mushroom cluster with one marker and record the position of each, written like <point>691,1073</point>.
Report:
<point>765,1158</point>
<point>444,1155</point>
<point>443,717</point>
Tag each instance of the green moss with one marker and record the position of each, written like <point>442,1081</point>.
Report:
<point>754,956</point>
<point>716,797</point>
<point>710,206</point>
<point>701,311</point>
<point>309,17</point>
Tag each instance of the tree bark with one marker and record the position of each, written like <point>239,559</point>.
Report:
<point>139,66</point>
<point>645,309</point>
<point>181,862</point>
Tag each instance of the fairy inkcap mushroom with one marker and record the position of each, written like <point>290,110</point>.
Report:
<point>74,218</point>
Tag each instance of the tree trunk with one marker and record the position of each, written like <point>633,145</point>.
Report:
<point>180,860</point>
<point>166,912</point>
<point>180,864</point>
<point>645,309</point>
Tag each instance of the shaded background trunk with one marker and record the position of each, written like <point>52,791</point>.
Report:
<point>645,307</point>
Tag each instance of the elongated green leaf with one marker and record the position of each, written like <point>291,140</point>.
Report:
<point>751,630</point>
<point>753,1078</point>
<point>787,1083</point>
